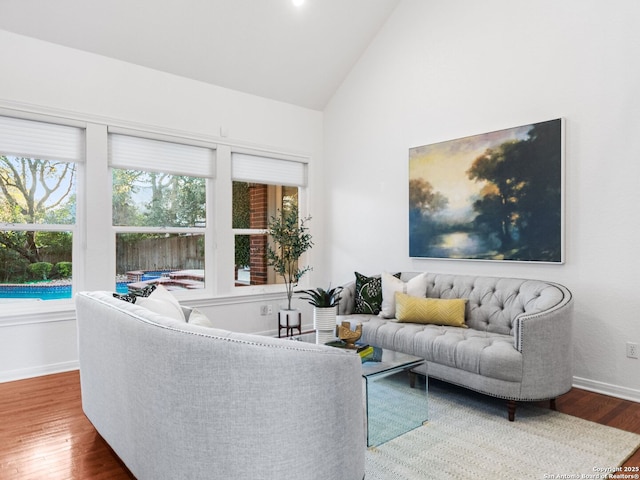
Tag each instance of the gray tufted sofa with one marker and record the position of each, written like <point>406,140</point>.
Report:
<point>180,401</point>
<point>517,346</point>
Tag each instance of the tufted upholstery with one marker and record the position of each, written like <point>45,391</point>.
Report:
<point>517,346</point>
<point>480,352</point>
<point>494,303</point>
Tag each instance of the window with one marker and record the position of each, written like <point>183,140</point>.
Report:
<point>159,211</point>
<point>38,199</point>
<point>262,186</point>
<point>87,206</point>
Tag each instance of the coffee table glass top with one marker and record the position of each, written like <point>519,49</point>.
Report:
<point>385,361</point>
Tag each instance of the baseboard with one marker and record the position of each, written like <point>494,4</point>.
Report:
<point>607,389</point>
<point>38,371</point>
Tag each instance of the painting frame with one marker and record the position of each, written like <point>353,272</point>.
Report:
<point>496,196</point>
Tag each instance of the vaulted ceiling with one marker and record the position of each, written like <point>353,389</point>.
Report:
<point>270,48</point>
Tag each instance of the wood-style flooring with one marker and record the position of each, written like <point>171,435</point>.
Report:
<point>45,435</point>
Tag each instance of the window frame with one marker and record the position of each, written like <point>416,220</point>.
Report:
<point>19,307</point>
<point>208,231</point>
<point>277,286</point>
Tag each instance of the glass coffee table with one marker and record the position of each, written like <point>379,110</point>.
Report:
<point>396,399</point>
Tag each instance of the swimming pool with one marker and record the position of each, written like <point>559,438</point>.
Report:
<point>45,291</point>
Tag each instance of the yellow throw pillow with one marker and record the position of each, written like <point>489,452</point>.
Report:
<point>438,311</point>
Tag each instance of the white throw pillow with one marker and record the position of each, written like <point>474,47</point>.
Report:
<point>416,287</point>
<point>161,301</point>
<point>196,317</point>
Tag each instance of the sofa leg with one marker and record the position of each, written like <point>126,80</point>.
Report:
<point>511,408</point>
<point>552,404</point>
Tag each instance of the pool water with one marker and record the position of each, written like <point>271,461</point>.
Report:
<point>44,292</point>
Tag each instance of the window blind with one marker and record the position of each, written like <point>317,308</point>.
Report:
<point>40,140</point>
<point>274,171</point>
<point>136,153</point>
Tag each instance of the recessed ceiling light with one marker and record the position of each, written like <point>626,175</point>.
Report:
<point>297,3</point>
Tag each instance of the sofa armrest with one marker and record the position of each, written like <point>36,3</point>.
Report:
<point>545,341</point>
<point>347,299</point>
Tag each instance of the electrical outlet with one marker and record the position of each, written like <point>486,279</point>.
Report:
<point>632,350</point>
<point>266,309</point>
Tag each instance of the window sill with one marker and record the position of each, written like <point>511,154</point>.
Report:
<point>37,311</point>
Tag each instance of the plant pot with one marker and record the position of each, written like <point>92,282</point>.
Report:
<point>324,322</point>
<point>324,336</point>
<point>324,318</point>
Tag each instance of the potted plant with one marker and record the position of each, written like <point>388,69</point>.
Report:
<point>291,238</point>
<point>321,298</point>
<point>325,303</point>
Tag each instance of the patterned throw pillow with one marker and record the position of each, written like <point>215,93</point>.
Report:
<point>127,297</point>
<point>368,296</point>
<point>135,293</point>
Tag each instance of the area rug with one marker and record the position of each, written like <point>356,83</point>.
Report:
<point>468,437</point>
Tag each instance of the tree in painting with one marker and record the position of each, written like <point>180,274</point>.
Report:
<point>520,203</point>
<point>424,205</point>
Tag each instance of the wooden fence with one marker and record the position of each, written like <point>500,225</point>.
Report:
<point>167,253</point>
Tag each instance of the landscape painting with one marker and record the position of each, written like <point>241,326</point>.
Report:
<point>494,196</point>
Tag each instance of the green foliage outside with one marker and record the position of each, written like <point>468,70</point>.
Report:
<point>241,219</point>
<point>41,270</point>
<point>155,199</point>
<point>62,269</point>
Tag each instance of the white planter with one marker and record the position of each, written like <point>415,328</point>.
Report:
<point>324,336</point>
<point>324,318</point>
<point>324,323</point>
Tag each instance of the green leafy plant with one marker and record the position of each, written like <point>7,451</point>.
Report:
<point>291,239</point>
<point>321,298</point>
<point>41,270</point>
<point>63,269</point>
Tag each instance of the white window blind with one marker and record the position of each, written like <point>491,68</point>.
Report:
<point>135,153</point>
<point>273,171</point>
<point>40,140</point>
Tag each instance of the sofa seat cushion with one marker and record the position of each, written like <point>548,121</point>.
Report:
<point>484,353</point>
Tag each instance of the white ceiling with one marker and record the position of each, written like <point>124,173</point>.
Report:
<point>270,48</point>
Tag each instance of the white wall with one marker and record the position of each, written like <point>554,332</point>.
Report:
<point>50,79</point>
<point>444,69</point>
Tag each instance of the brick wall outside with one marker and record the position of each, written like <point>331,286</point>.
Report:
<point>258,243</point>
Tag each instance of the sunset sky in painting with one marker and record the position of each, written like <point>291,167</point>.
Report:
<point>444,166</point>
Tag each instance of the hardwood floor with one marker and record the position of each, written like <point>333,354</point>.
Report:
<point>45,435</point>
